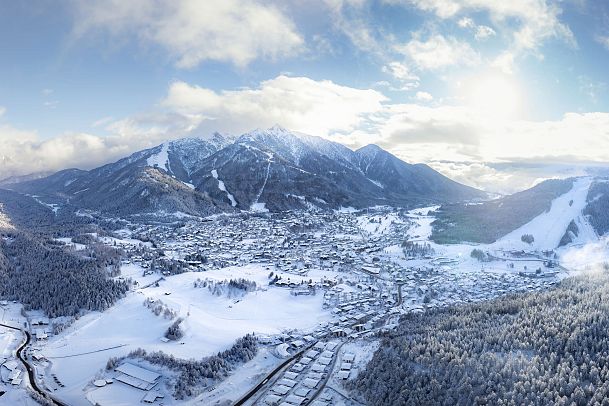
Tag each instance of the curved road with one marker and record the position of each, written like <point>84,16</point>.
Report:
<point>30,369</point>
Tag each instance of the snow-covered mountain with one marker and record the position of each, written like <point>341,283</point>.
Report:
<point>554,213</point>
<point>272,169</point>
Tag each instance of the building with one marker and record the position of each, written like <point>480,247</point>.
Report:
<point>137,377</point>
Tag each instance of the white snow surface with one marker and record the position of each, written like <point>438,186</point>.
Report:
<point>222,187</point>
<point>211,323</point>
<point>161,159</point>
<point>377,224</point>
<point>549,227</point>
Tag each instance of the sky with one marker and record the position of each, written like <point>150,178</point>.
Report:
<point>494,94</point>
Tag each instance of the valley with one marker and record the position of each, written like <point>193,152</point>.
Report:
<point>317,279</point>
<point>259,304</point>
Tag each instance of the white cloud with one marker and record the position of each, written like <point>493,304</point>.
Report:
<point>466,22</point>
<point>603,40</point>
<point>438,52</point>
<point>446,136</point>
<point>298,103</point>
<point>2,110</point>
<point>423,96</point>
<point>235,31</point>
<point>462,134</point>
<point>535,20</point>
<point>483,32</point>
<point>23,152</point>
<point>402,73</point>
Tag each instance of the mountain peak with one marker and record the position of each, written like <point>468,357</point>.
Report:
<point>369,150</point>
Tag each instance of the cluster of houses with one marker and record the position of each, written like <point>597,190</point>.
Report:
<point>11,372</point>
<point>307,376</point>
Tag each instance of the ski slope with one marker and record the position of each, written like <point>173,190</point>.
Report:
<point>161,159</point>
<point>549,227</point>
<point>222,187</point>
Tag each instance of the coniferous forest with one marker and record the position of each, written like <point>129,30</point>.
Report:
<point>538,348</point>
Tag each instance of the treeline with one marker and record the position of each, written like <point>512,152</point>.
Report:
<point>230,288</point>
<point>488,221</point>
<point>538,348</point>
<point>597,208</point>
<point>28,214</point>
<point>40,274</point>
<point>194,376</point>
<point>415,249</point>
<point>159,308</point>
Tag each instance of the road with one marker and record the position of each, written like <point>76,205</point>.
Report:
<point>30,369</point>
<point>271,374</point>
<point>327,377</point>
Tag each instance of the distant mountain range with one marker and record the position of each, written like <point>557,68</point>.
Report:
<point>272,169</point>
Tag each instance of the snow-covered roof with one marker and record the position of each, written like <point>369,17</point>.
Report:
<point>138,372</point>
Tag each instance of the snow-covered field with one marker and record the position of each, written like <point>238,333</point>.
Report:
<point>377,224</point>
<point>211,323</point>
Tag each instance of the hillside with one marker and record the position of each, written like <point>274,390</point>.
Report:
<point>272,169</point>
<point>533,348</point>
<point>488,221</point>
<point>598,204</point>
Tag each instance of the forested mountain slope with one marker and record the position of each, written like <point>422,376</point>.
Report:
<point>538,348</point>
<point>488,221</point>
<point>42,273</point>
<point>272,169</point>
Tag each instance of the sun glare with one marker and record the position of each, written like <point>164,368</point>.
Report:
<point>494,95</point>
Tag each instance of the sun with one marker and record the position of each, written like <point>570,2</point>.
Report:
<point>495,95</point>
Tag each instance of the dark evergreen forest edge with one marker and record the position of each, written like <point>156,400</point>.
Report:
<point>598,202</point>
<point>43,273</point>
<point>488,221</point>
<point>540,348</point>
<point>193,376</point>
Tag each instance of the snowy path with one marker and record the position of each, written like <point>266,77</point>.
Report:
<point>222,187</point>
<point>256,205</point>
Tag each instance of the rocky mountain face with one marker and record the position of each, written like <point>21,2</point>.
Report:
<point>271,169</point>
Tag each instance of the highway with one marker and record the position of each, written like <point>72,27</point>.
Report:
<point>30,369</point>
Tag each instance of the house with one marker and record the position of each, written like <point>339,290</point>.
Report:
<point>295,400</point>
<point>136,376</point>
<point>348,357</point>
<point>311,383</point>
<point>287,382</point>
<point>272,400</point>
<point>343,375</point>
<point>325,361</point>
<point>302,391</point>
<point>152,396</point>
<point>280,390</point>
<point>345,366</point>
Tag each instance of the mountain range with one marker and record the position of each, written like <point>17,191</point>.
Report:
<point>273,169</point>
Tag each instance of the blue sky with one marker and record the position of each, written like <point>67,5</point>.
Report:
<point>463,85</point>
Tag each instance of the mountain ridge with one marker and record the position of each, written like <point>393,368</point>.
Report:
<point>273,169</point>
